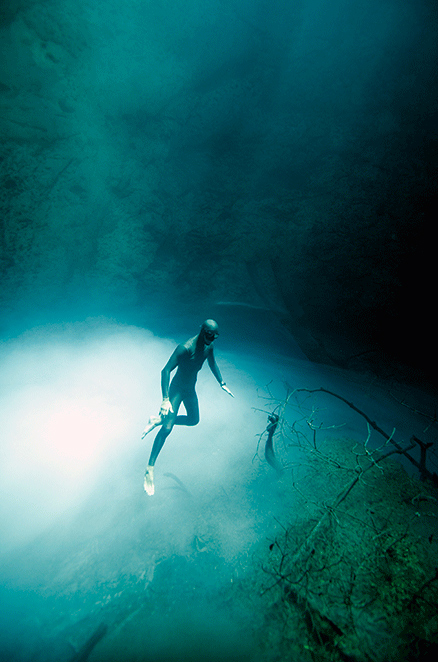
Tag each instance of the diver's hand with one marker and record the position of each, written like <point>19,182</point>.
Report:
<point>166,407</point>
<point>225,388</point>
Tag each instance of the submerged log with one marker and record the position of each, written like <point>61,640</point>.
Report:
<point>84,652</point>
<point>269,447</point>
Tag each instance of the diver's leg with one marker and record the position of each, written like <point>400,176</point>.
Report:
<point>191,418</point>
<point>190,402</point>
<point>156,448</point>
<point>162,434</point>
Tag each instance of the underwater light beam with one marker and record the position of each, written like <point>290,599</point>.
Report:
<point>69,407</point>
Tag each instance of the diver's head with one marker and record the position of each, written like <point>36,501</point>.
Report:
<point>209,331</point>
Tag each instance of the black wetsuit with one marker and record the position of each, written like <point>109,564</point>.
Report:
<point>188,358</point>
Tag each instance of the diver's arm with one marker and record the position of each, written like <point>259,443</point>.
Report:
<point>172,363</point>
<point>214,367</point>
<point>217,373</point>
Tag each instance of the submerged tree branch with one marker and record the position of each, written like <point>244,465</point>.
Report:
<point>389,438</point>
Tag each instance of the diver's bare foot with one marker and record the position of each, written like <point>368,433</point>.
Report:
<point>153,422</point>
<point>149,481</point>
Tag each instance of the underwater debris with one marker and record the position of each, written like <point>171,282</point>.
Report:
<point>84,652</point>
<point>269,448</point>
<point>178,481</point>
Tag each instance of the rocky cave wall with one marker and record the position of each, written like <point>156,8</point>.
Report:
<point>276,154</point>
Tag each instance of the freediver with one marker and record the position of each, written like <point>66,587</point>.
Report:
<point>188,358</point>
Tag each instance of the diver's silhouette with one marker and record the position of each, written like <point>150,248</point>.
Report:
<point>188,358</point>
